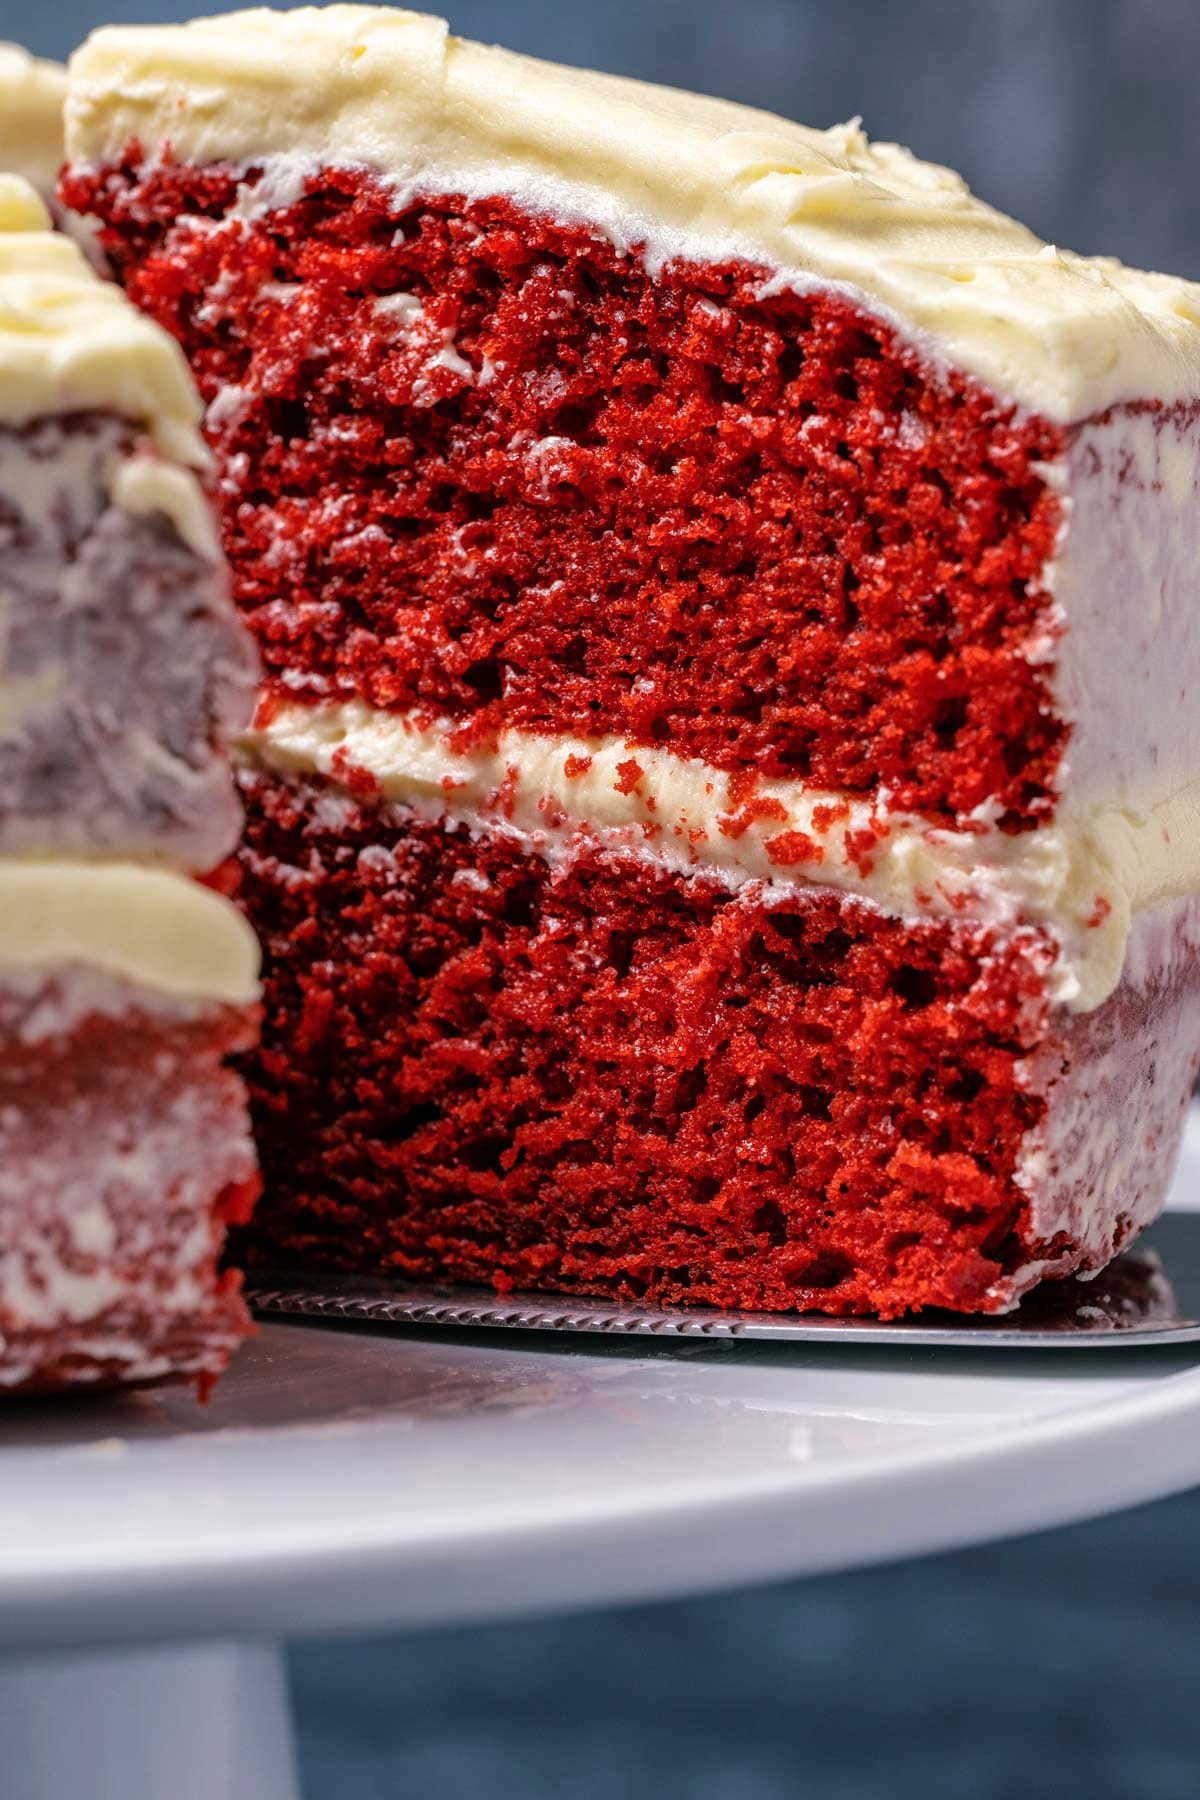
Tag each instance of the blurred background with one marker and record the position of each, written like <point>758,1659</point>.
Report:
<point>1062,1666</point>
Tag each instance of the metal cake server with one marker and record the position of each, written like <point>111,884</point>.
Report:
<point>1150,1295</point>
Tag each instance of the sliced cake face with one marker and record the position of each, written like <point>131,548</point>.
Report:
<point>123,669</point>
<point>672,534</point>
<point>32,93</point>
<point>125,1149</point>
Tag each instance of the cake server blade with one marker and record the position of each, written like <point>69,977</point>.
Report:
<point>1150,1295</point>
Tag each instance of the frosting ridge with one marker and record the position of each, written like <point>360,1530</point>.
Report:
<point>146,926</point>
<point>32,93</point>
<point>70,342</point>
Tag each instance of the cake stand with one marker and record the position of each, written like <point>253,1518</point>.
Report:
<point>154,1554</point>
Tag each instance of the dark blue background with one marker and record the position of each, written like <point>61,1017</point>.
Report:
<point>1067,1665</point>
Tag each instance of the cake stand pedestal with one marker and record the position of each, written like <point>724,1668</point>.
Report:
<point>192,1722</point>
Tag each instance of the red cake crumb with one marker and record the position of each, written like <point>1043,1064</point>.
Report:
<point>608,1079</point>
<point>756,530</point>
<point>787,848</point>
<point>736,825</point>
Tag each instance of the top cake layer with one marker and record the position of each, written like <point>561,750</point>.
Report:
<point>72,343</point>
<point>676,174</point>
<point>31,122</point>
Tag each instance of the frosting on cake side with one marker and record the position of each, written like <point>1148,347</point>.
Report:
<point>124,672</point>
<point>148,927</point>
<point>70,342</point>
<point>31,116</point>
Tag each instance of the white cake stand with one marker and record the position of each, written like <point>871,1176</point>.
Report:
<point>153,1554</point>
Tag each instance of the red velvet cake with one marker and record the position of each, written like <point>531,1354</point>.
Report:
<point>722,806</point>
<point>126,986</point>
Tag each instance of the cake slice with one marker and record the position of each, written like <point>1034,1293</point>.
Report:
<point>125,985</point>
<point>721,811</point>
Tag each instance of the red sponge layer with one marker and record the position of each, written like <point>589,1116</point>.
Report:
<point>608,1079</point>
<point>556,489</point>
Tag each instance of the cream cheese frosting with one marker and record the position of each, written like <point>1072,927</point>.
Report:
<point>673,174</point>
<point>70,342</point>
<point>32,93</point>
<point>145,926</point>
<point>1084,878</point>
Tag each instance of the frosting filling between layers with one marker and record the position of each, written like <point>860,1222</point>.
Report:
<point>1084,877</point>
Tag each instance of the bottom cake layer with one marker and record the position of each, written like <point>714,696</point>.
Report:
<point>125,1152</point>
<point>599,1077</point>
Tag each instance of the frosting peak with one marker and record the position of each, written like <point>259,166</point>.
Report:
<point>31,126</point>
<point>20,207</point>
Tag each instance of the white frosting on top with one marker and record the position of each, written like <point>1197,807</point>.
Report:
<point>145,926</point>
<point>70,342</point>
<point>676,174</point>
<point>1083,878</point>
<point>31,116</point>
